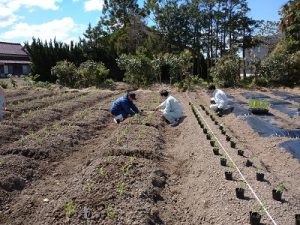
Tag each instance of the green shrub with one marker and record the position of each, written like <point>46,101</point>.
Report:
<point>110,82</point>
<point>3,84</point>
<point>225,72</point>
<point>138,69</point>
<point>280,68</point>
<point>65,73</point>
<point>91,73</point>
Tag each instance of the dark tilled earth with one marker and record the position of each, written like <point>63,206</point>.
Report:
<point>143,171</point>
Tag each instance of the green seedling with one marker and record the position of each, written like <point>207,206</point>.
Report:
<point>242,184</point>
<point>108,159</point>
<point>230,166</point>
<point>259,169</point>
<point>110,211</point>
<point>88,186</point>
<point>100,171</point>
<point>258,104</point>
<point>69,208</point>
<point>280,188</point>
<point>2,162</point>
<point>131,159</point>
<point>125,169</point>
<point>260,209</point>
<point>121,188</point>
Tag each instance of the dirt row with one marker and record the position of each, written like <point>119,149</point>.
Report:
<point>14,128</point>
<point>53,141</point>
<point>262,153</point>
<point>86,169</point>
<point>114,175</point>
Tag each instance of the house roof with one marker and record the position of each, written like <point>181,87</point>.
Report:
<point>7,48</point>
<point>2,62</point>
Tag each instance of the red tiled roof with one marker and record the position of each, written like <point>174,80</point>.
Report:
<point>11,49</point>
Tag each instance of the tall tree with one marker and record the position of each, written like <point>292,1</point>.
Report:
<point>290,24</point>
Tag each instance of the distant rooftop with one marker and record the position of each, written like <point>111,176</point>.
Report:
<point>7,48</point>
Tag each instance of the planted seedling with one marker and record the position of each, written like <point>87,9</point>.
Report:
<point>216,122</point>
<point>131,159</point>
<point>69,209</point>
<point>240,152</point>
<point>100,171</point>
<point>232,144</point>
<point>212,143</point>
<point>297,219</point>
<point>240,190</point>
<point>255,216</point>
<point>277,192</point>
<point>259,174</point>
<point>249,162</point>
<point>228,173</point>
<point>125,169</point>
<point>121,188</point>
<point>208,136</point>
<point>216,151</point>
<point>228,138</point>
<point>110,211</point>
<point>223,161</point>
<point>88,186</point>
<point>108,159</point>
<point>204,130</point>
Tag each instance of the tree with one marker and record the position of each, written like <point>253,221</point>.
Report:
<point>290,24</point>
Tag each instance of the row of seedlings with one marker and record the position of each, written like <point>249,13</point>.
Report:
<point>255,217</point>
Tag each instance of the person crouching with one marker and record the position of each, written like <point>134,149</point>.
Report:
<point>124,107</point>
<point>171,108</point>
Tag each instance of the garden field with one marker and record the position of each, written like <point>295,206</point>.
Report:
<point>64,161</point>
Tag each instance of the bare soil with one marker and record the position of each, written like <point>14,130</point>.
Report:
<point>141,171</point>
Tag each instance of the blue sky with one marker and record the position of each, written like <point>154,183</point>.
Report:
<point>66,20</point>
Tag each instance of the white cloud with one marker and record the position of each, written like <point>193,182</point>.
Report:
<point>8,20</point>
<point>17,4</point>
<point>93,5</point>
<point>9,8</point>
<point>64,30</point>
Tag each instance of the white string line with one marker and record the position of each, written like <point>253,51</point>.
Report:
<point>251,189</point>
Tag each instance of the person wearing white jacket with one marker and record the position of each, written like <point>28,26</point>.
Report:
<point>170,108</point>
<point>219,100</point>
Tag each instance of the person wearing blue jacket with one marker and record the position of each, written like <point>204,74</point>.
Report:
<point>124,107</point>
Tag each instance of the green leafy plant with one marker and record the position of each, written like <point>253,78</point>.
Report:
<point>88,186</point>
<point>109,159</point>
<point>2,162</point>
<point>121,187</point>
<point>260,209</point>
<point>258,104</point>
<point>101,171</point>
<point>126,169</point>
<point>12,81</point>
<point>242,184</point>
<point>280,188</point>
<point>110,211</point>
<point>69,208</point>
<point>131,159</point>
